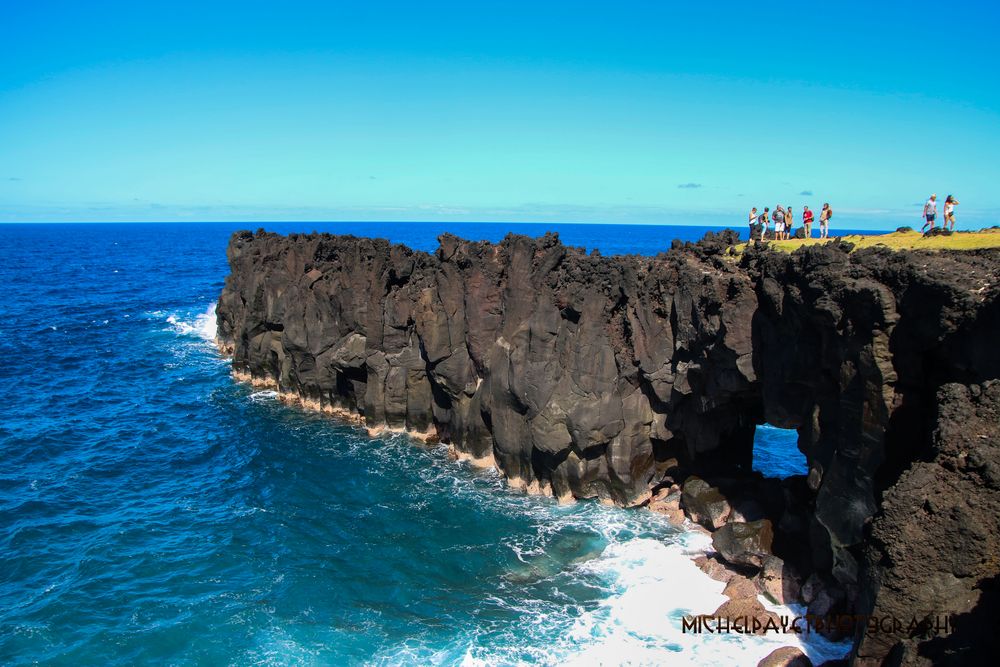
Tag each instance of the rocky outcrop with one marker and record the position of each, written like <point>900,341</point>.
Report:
<point>778,581</point>
<point>747,544</point>
<point>558,366</point>
<point>618,378</point>
<point>786,656</point>
<point>704,503</point>
<point>936,541</point>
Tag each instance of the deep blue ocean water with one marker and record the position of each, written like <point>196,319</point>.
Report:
<point>154,511</point>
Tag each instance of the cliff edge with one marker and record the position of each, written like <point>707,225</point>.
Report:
<point>625,378</point>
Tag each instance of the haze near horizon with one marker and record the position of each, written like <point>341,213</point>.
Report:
<point>514,112</point>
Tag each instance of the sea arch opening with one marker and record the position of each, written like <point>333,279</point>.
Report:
<point>776,452</point>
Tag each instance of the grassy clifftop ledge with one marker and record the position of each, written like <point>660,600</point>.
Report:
<point>913,240</point>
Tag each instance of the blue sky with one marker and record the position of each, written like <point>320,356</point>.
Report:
<point>577,112</point>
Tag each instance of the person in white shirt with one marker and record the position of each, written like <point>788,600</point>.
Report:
<point>779,223</point>
<point>949,212</point>
<point>930,212</point>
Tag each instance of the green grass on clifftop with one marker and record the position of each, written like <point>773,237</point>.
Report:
<point>984,238</point>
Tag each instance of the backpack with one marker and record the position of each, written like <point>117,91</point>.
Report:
<point>829,213</point>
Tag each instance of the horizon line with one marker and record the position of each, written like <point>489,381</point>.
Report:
<point>891,227</point>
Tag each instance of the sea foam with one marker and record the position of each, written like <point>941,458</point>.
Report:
<point>203,325</point>
<point>650,585</point>
<point>640,623</point>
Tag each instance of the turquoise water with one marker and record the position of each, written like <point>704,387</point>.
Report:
<point>153,511</point>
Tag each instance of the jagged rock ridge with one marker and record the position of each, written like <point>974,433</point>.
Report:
<point>586,376</point>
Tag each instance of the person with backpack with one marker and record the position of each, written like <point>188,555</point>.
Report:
<point>765,222</point>
<point>779,223</point>
<point>824,221</point>
<point>807,222</point>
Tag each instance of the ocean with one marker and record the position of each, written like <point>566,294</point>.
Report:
<point>153,511</point>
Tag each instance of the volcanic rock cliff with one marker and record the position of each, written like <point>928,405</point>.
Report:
<point>623,377</point>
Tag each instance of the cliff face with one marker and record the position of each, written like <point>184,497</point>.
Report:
<point>571,371</point>
<point>585,376</point>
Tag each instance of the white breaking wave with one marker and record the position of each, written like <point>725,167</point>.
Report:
<point>649,585</point>
<point>203,325</point>
<point>656,584</point>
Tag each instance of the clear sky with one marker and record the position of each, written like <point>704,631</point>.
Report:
<point>544,111</point>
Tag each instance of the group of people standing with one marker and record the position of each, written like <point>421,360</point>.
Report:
<point>930,213</point>
<point>783,220</point>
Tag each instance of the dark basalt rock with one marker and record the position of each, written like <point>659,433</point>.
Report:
<point>558,365</point>
<point>786,656</point>
<point>747,544</point>
<point>704,504</point>
<point>936,538</point>
<point>715,568</point>
<point>747,510</point>
<point>584,376</point>
<point>938,231</point>
<point>742,612</point>
<point>779,581</point>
